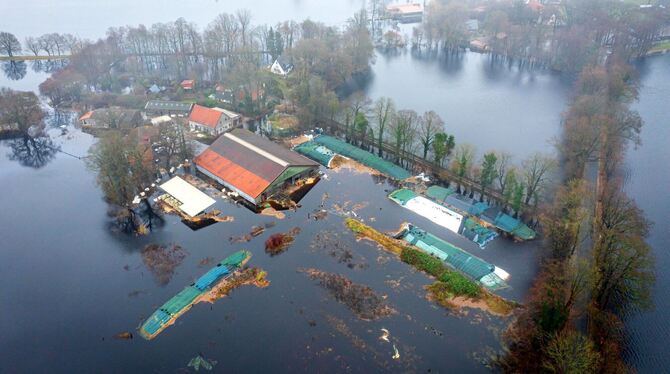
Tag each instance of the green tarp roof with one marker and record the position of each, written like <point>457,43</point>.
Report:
<point>366,158</point>
<point>439,193</point>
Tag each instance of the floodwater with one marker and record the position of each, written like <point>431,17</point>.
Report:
<point>71,284</point>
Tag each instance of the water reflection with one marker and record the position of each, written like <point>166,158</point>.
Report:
<point>14,70</point>
<point>34,152</point>
<point>48,66</point>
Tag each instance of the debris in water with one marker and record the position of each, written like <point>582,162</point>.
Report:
<point>197,362</point>
<point>256,230</point>
<point>162,260</point>
<point>123,336</point>
<point>396,355</point>
<point>385,335</point>
<point>362,300</point>
<point>206,261</point>
<point>330,242</point>
<point>272,212</point>
<point>278,243</point>
<point>318,214</point>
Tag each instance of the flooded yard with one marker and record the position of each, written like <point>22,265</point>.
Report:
<point>80,283</point>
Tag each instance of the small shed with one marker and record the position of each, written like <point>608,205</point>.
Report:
<point>185,197</point>
<point>188,84</point>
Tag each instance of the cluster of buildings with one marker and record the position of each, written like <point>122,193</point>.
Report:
<point>211,121</point>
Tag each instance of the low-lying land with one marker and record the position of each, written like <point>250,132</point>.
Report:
<point>362,300</point>
<point>451,289</point>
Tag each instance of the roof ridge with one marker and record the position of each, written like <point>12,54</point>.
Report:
<point>254,148</point>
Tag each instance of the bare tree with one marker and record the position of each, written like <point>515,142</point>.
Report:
<point>429,125</point>
<point>9,45</point>
<point>384,112</point>
<point>536,170</point>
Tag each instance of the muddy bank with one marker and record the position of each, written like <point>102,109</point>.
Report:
<point>249,276</point>
<point>362,300</point>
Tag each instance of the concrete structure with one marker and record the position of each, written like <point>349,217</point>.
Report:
<point>213,121</point>
<point>252,166</point>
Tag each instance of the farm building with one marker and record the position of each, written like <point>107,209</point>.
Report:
<point>252,166</point>
<point>111,118</point>
<point>163,107</point>
<point>213,121</point>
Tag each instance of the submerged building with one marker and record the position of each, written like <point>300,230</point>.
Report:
<point>254,167</point>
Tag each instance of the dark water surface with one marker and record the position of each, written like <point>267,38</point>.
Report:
<point>66,291</point>
<point>72,284</point>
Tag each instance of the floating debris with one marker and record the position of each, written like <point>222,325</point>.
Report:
<point>272,212</point>
<point>123,336</point>
<point>362,300</point>
<point>256,230</point>
<point>396,355</point>
<point>330,242</point>
<point>162,260</point>
<point>278,243</point>
<point>198,362</point>
<point>385,335</point>
<point>206,261</point>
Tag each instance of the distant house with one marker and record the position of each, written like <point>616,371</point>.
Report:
<point>111,118</point>
<point>225,96</point>
<point>281,66</point>
<point>213,121</point>
<point>406,13</point>
<point>252,166</point>
<point>154,89</point>
<point>187,84</point>
<point>162,107</point>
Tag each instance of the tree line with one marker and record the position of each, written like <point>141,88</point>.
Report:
<point>565,36</point>
<point>598,265</point>
<point>400,135</point>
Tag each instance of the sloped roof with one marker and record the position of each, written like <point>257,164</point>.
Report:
<point>167,105</point>
<point>205,116</point>
<point>86,115</point>
<point>249,162</point>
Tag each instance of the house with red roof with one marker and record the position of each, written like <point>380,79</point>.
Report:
<point>188,84</point>
<point>213,121</point>
<point>254,167</point>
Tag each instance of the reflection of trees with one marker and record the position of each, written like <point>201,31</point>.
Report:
<point>61,118</point>
<point>14,70</point>
<point>34,152</point>
<point>149,217</point>
<point>48,66</point>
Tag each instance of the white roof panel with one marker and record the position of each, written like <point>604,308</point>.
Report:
<point>193,200</point>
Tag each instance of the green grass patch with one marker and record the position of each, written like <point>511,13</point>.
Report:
<point>449,283</point>
<point>660,47</point>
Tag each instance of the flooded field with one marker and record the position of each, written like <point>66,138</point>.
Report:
<point>80,284</point>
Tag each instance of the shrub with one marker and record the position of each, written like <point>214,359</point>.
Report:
<point>423,261</point>
<point>460,285</point>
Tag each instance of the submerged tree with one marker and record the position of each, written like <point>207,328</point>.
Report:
<point>22,109</point>
<point>123,170</point>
